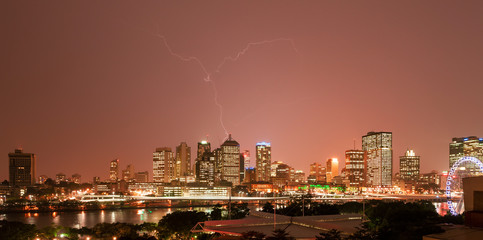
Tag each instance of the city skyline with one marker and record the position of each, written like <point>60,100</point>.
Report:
<point>81,92</point>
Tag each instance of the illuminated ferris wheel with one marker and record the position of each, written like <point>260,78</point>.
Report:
<point>450,180</point>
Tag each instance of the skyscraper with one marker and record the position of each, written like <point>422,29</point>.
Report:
<point>128,173</point>
<point>318,173</point>
<point>246,156</point>
<point>230,153</point>
<point>203,147</point>
<point>409,166</point>
<point>377,148</point>
<point>332,168</point>
<point>114,170</point>
<point>354,164</point>
<point>163,165</point>
<point>205,169</point>
<point>466,147</point>
<point>264,160</point>
<point>183,160</point>
<point>21,168</point>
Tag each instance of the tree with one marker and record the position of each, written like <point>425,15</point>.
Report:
<point>239,210</point>
<point>180,223</point>
<point>268,207</point>
<point>280,234</point>
<point>333,234</point>
<point>17,230</point>
<point>254,235</point>
<point>5,182</point>
<point>216,212</point>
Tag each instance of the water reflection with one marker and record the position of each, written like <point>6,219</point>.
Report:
<point>91,218</point>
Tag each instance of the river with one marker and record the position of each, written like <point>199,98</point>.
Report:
<point>134,216</point>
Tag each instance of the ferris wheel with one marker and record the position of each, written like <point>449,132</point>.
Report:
<point>450,180</point>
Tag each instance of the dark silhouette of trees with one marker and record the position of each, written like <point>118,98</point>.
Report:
<point>280,234</point>
<point>330,235</point>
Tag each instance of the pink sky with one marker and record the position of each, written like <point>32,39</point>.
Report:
<point>84,83</point>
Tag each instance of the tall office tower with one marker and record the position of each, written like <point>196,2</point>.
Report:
<point>128,173</point>
<point>318,172</point>
<point>354,164</point>
<point>218,164</point>
<point>205,169</point>
<point>283,171</point>
<point>114,170</point>
<point>264,160</point>
<point>246,156</point>
<point>377,147</point>
<point>21,168</point>
<point>332,169</point>
<point>409,166</point>
<point>250,175</point>
<point>163,165</point>
<point>142,176</point>
<point>203,147</point>
<point>76,178</point>
<point>242,167</point>
<point>230,154</point>
<point>183,160</point>
<point>273,168</point>
<point>466,147</point>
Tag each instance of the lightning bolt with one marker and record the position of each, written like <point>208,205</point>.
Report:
<point>208,76</point>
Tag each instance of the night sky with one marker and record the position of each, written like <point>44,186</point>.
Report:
<point>82,83</point>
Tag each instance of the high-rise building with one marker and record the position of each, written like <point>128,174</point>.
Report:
<point>205,169</point>
<point>354,164</point>
<point>76,178</point>
<point>250,175</point>
<point>230,153</point>
<point>203,147</point>
<point>217,153</point>
<point>273,168</point>
<point>409,166</point>
<point>60,177</point>
<point>264,160</point>
<point>332,169</point>
<point>242,167</point>
<point>163,165</point>
<point>183,160</point>
<point>142,176</point>
<point>246,156</point>
<point>21,168</point>
<point>114,170</point>
<point>466,147</point>
<point>317,173</point>
<point>128,173</point>
<point>377,148</point>
<point>299,176</point>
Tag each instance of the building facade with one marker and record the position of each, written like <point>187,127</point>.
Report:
<point>354,164</point>
<point>230,154</point>
<point>377,148</point>
<point>114,170</point>
<point>21,168</point>
<point>466,147</point>
<point>263,161</point>
<point>409,166</point>
<point>183,160</point>
<point>163,165</point>
<point>332,169</point>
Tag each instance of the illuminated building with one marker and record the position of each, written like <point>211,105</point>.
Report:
<point>263,161</point>
<point>409,166</point>
<point>203,147</point>
<point>60,177</point>
<point>317,173</point>
<point>250,175</point>
<point>128,173</point>
<point>230,160</point>
<point>242,167</point>
<point>42,179</point>
<point>218,164</point>
<point>141,176</point>
<point>332,169</point>
<point>76,178</point>
<point>246,156</point>
<point>299,176</point>
<point>21,168</point>
<point>354,164</point>
<point>163,165</point>
<point>273,168</point>
<point>183,160</point>
<point>377,148</point>
<point>205,169</point>
<point>466,147</point>
<point>114,170</point>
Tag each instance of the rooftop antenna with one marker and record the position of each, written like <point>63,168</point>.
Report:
<point>354,144</point>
